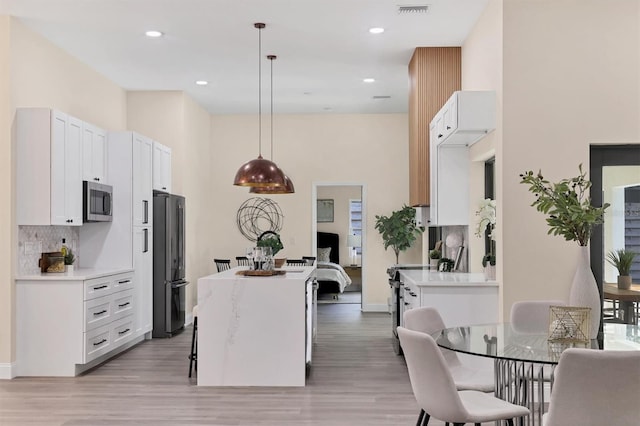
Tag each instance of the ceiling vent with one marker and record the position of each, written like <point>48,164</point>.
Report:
<point>403,10</point>
<point>382,97</point>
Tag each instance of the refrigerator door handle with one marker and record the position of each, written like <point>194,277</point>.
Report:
<point>145,205</point>
<point>181,237</point>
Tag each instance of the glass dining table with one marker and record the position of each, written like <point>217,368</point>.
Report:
<point>524,362</point>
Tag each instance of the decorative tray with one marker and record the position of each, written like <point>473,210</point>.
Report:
<point>252,273</point>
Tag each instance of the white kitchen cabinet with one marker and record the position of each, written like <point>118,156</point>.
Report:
<point>161,167</point>
<point>68,324</point>
<point>143,270</point>
<point>449,184</point>
<point>48,168</point>
<point>142,180</point>
<point>94,154</point>
<point>465,118</point>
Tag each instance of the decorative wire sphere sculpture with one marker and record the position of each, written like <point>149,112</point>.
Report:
<point>257,215</point>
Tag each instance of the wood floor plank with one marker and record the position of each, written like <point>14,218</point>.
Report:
<point>356,379</point>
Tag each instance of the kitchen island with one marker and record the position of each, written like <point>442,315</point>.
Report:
<point>255,331</point>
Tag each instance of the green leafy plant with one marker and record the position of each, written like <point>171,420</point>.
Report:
<point>435,254</point>
<point>270,239</point>
<point>69,258</point>
<point>567,204</point>
<point>622,259</point>
<point>488,259</point>
<point>399,230</point>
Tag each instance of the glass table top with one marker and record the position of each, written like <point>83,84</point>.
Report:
<point>503,342</point>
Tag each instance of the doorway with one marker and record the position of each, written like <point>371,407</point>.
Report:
<point>615,177</point>
<point>338,211</point>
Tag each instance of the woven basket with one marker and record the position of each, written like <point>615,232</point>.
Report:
<point>569,324</point>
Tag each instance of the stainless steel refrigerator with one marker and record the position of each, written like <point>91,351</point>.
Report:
<point>168,264</point>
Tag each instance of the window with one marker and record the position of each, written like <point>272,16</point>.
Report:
<point>355,220</point>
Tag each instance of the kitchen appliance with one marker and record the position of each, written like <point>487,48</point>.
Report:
<point>96,202</point>
<point>168,264</point>
<point>398,302</point>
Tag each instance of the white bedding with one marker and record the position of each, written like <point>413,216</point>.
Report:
<point>328,271</point>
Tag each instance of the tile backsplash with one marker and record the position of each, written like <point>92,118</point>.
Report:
<point>33,240</point>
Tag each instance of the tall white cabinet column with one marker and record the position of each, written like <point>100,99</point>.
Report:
<point>128,239</point>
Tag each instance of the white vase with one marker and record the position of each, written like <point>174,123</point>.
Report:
<point>70,268</point>
<point>490,272</point>
<point>584,291</point>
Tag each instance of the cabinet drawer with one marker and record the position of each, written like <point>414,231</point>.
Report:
<point>122,282</point>
<point>122,330</point>
<point>97,287</point>
<point>98,312</point>
<point>97,342</point>
<point>122,304</point>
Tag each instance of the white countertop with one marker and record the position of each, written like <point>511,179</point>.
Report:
<point>77,274</point>
<point>293,273</point>
<point>435,278</point>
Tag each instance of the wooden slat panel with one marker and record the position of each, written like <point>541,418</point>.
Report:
<point>434,74</point>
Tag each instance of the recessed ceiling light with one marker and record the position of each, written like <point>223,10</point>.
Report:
<point>376,30</point>
<point>369,80</point>
<point>153,33</point>
<point>202,82</point>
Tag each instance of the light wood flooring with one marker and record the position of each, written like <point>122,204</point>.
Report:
<point>356,379</point>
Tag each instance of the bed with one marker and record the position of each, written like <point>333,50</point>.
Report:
<point>332,279</point>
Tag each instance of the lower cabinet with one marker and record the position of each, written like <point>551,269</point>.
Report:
<point>67,325</point>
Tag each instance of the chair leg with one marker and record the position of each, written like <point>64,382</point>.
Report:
<point>425,421</point>
<point>509,422</point>
<point>193,357</point>
<point>420,417</point>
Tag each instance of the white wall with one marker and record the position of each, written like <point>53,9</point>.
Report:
<point>571,79</point>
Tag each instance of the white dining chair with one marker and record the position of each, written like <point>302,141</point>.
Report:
<point>595,388</point>
<point>428,320</point>
<point>435,390</point>
<point>532,316</point>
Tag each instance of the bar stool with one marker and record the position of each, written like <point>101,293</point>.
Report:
<point>222,264</point>
<point>193,356</point>
<point>243,261</point>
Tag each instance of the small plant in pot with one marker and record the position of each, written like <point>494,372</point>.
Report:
<point>272,239</point>
<point>434,257</point>
<point>69,258</point>
<point>445,264</point>
<point>622,259</point>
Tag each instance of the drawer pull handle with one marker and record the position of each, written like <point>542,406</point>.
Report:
<point>100,342</point>
<point>124,304</point>
<point>124,331</point>
<point>406,303</point>
<point>104,311</point>
<point>100,287</point>
<point>124,281</point>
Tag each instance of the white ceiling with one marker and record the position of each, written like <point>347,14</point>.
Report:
<point>324,48</point>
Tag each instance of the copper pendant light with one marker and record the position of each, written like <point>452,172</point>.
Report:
<point>259,172</point>
<point>287,188</point>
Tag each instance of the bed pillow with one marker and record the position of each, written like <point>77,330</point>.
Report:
<point>323,254</point>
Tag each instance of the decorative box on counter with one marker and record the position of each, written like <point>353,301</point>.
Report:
<point>51,262</point>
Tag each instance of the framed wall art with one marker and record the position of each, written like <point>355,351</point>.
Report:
<point>325,210</point>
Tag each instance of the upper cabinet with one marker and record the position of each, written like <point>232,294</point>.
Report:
<point>465,118</point>
<point>161,167</point>
<point>94,158</point>
<point>48,167</point>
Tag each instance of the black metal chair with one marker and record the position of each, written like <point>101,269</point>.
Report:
<point>243,261</point>
<point>296,262</point>
<point>222,264</point>
<point>310,260</point>
<point>193,356</point>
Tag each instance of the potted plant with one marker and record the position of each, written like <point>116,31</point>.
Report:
<point>445,264</point>
<point>399,230</point>
<point>570,214</point>
<point>487,220</point>
<point>622,259</point>
<point>434,257</point>
<point>272,239</point>
<point>489,265</point>
<point>69,258</point>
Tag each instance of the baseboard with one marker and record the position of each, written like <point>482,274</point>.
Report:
<point>7,370</point>
<point>372,307</point>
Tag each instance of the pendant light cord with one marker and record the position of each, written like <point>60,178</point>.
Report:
<point>259,89</point>
<point>271,58</point>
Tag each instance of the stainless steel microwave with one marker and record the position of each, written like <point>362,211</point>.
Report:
<point>96,202</point>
